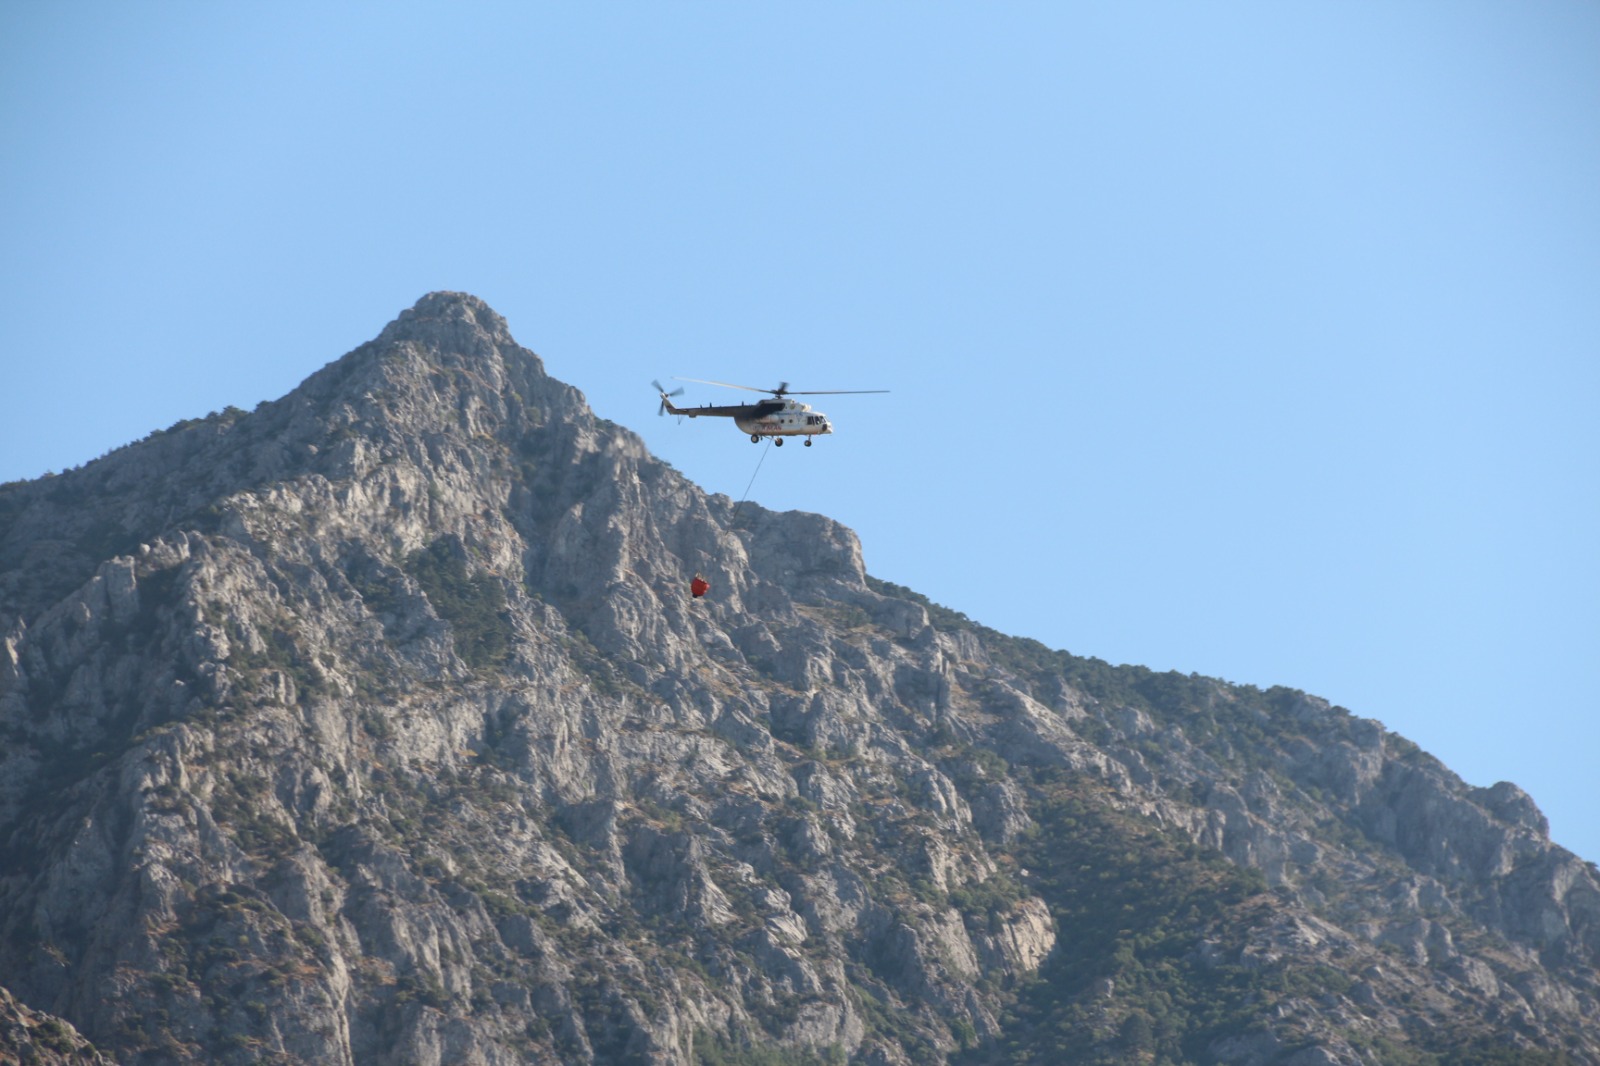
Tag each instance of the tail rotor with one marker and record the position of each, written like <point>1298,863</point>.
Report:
<point>665,396</point>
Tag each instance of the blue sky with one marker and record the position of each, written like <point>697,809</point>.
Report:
<point>1257,340</point>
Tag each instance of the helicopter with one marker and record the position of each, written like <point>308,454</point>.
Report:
<point>777,418</point>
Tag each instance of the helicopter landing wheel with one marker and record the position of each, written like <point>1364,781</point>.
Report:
<point>808,442</point>
<point>777,442</point>
<point>755,438</point>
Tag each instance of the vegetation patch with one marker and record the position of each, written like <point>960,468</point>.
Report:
<point>473,604</point>
<point>713,1050</point>
<point>1132,905</point>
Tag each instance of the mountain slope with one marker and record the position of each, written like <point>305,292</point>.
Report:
<point>378,725</point>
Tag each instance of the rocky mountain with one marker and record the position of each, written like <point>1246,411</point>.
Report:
<point>378,725</point>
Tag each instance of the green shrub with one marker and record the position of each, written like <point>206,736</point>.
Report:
<point>474,605</point>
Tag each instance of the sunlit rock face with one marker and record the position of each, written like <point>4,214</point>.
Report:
<point>378,725</point>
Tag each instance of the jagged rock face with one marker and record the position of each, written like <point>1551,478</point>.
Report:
<point>41,1039</point>
<point>379,725</point>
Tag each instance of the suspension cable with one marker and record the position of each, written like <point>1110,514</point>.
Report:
<point>733,518</point>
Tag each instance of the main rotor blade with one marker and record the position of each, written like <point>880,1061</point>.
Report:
<point>782,390</point>
<point>836,392</point>
<point>725,384</point>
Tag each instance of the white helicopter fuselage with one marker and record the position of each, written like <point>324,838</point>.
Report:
<point>795,420</point>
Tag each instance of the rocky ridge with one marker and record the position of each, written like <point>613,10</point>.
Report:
<point>375,725</point>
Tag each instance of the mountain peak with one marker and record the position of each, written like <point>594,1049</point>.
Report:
<point>449,317</point>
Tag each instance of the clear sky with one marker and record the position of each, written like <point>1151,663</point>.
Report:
<point>1257,340</point>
